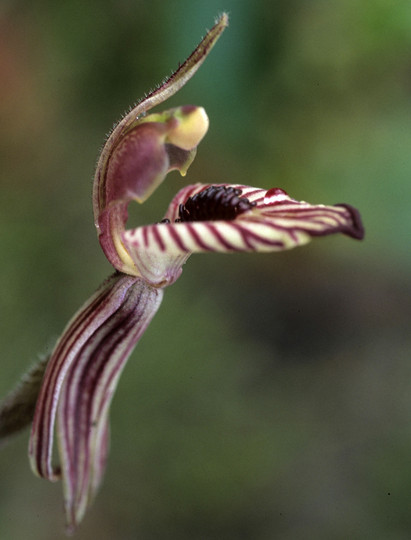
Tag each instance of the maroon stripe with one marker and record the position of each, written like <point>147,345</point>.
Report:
<point>197,238</point>
<point>145,237</point>
<point>325,230</point>
<point>157,237</point>
<point>221,238</point>
<point>239,228</point>
<point>176,238</point>
<point>247,234</point>
<point>278,228</point>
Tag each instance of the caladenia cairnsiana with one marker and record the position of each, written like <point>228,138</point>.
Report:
<point>83,370</point>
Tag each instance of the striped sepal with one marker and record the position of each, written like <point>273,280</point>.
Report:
<point>79,383</point>
<point>275,223</point>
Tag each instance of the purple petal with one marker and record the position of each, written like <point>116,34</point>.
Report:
<point>276,223</point>
<point>79,383</point>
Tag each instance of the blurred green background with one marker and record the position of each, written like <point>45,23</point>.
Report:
<point>271,396</point>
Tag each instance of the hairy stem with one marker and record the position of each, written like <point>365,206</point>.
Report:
<point>17,408</point>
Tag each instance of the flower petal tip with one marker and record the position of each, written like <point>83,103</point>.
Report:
<point>222,20</point>
<point>356,230</point>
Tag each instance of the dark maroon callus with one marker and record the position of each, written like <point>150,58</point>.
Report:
<point>214,203</point>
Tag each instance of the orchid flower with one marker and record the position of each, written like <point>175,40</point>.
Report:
<point>84,368</point>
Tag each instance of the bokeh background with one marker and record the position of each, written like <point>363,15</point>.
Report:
<point>271,396</point>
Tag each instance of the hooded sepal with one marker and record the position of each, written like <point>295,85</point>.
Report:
<point>139,163</point>
<point>143,148</point>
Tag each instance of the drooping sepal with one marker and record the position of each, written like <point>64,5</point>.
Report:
<point>79,383</point>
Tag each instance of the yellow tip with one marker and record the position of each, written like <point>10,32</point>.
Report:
<point>191,127</point>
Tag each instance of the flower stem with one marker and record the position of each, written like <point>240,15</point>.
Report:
<point>17,408</point>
